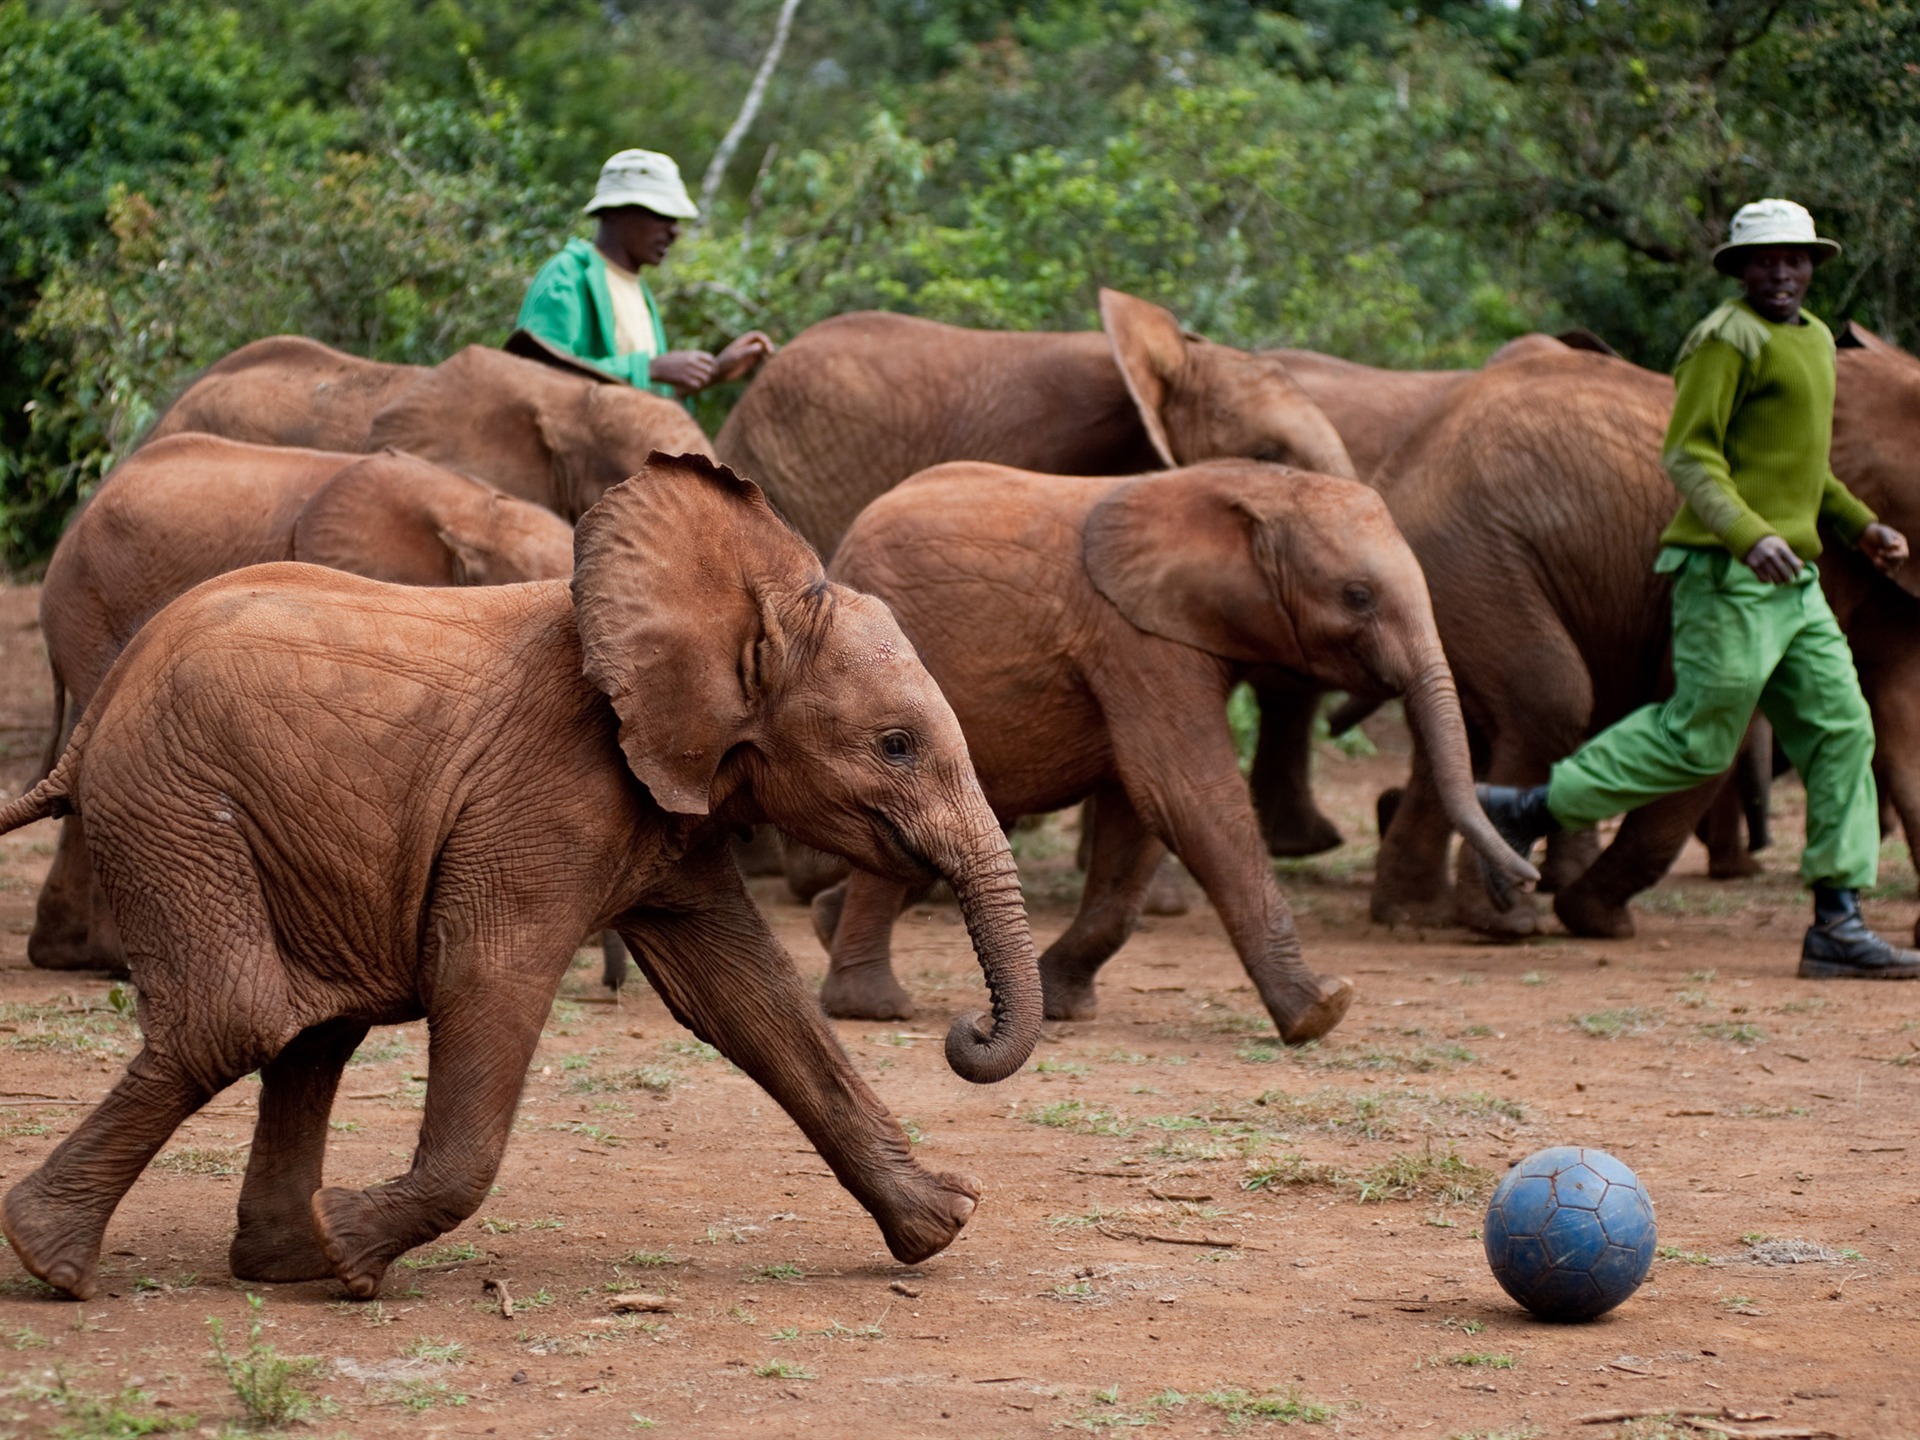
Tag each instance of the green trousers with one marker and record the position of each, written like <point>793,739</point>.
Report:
<point>1738,643</point>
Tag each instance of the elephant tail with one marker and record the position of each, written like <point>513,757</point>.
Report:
<point>48,800</point>
<point>48,760</point>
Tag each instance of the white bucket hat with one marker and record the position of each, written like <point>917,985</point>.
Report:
<point>648,178</point>
<point>1772,222</point>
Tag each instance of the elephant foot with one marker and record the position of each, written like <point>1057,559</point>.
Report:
<point>1740,865</point>
<point>1067,997</point>
<point>358,1249</point>
<point>1432,912</point>
<point>865,992</point>
<point>1312,1007</point>
<point>1293,838</point>
<point>1480,916</point>
<point>49,1242</point>
<point>279,1253</point>
<point>1171,893</point>
<point>933,1214</point>
<point>825,910</point>
<point>61,948</point>
<point>1570,854</point>
<point>1586,914</point>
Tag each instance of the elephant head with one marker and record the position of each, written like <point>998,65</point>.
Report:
<point>1876,433</point>
<point>543,434</point>
<point>1199,400</point>
<point>739,672</point>
<point>1273,566</point>
<point>395,517</point>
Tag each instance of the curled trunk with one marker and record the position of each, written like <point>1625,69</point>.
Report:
<point>986,1048</point>
<point>1433,710</point>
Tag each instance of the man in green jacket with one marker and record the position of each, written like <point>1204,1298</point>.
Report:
<point>590,301</point>
<point>1747,450</point>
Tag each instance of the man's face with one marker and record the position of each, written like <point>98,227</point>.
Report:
<point>645,236</point>
<point>1776,279</point>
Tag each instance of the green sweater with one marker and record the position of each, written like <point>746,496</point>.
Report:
<point>1752,424</point>
<point>568,305</point>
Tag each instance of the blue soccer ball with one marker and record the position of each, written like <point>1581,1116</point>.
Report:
<point>1570,1233</point>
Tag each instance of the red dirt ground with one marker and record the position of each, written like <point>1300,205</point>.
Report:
<point>1753,1105</point>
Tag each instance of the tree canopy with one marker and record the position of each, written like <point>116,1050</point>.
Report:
<point>1405,184</point>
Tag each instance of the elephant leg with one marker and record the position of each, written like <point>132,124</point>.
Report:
<point>1410,875</point>
<point>60,916</point>
<point>613,960</point>
<point>1291,823</point>
<point>1177,763</point>
<point>106,952</point>
<point>1121,866</point>
<point>1569,853</point>
<point>276,1239</point>
<point>1753,776</point>
<point>1649,840</point>
<point>480,1041</point>
<point>1723,830</point>
<point>725,977</point>
<point>860,983</point>
<point>55,1217</point>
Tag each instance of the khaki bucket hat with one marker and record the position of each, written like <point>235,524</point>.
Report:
<point>1772,222</point>
<point>646,178</point>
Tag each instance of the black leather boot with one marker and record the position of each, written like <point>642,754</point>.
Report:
<point>1839,946</point>
<point>1519,814</point>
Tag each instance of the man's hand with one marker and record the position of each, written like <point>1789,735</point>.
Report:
<point>1773,560</point>
<point>1885,546</point>
<point>741,356</point>
<point>685,370</point>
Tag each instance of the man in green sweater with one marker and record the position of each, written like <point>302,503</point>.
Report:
<point>590,302</point>
<point>1747,450</point>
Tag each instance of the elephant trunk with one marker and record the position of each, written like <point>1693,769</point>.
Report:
<point>1433,710</point>
<point>980,868</point>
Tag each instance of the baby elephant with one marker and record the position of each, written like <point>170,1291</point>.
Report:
<point>190,507</point>
<point>318,803</point>
<point>1088,633</point>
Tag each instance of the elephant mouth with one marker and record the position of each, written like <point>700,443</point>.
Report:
<point>910,865</point>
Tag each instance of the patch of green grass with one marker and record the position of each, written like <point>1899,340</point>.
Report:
<point>1287,1171</point>
<point>346,1127</point>
<point>1481,1360</point>
<point>1283,1407</point>
<point>783,1270</point>
<point>1612,1024</point>
<point>650,1259</point>
<point>495,1226</point>
<point>1417,1059</point>
<point>1536,977</point>
<point>654,1079</point>
<point>599,1134</point>
<point>444,1255</point>
<point>783,1370</point>
<point>1447,1179</point>
<point>1076,1116</point>
<point>14,1128</point>
<point>419,1394</point>
<point>692,1049</point>
<point>1685,1257</point>
<point>1736,1302</point>
<point>1692,999</point>
<point>1060,1067</point>
<point>446,1352</point>
<point>208,1160</point>
<point>25,1338</point>
<point>1733,1032</point>
<point>121,1416</point>
<point>273,1389</point>
<point>380,1050</point>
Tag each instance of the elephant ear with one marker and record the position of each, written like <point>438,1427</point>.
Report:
<point>370,519</point>
<point>486,414</point>
<point>677,577</point>
<point>1151,351</point>
<point>1194,555</point>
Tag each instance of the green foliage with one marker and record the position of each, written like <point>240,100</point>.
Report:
<point>273,1389</point>
<point>1406,184</point>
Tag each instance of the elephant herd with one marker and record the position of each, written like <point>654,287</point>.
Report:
<point>389,684</point>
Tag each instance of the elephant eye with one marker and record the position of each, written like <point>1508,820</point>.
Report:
<point>897,746</point>
<point>1358,597</point>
